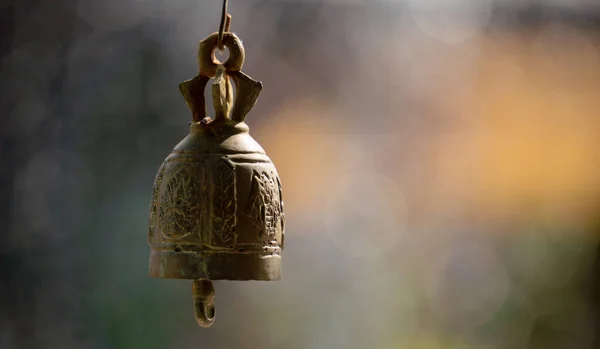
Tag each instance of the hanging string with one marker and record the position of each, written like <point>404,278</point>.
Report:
<point>224,26</point>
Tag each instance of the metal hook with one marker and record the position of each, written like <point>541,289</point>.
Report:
<point>224,26</point>
<point>203,294</point>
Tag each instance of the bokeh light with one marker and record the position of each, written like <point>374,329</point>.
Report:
<point>439,162</point>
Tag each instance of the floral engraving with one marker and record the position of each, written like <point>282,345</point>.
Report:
<point>223,205</point>
<point>153,202</point>
<point>264,205</point>
<point>180,210</point>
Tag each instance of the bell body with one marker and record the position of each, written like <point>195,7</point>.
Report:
<point>217,210</point>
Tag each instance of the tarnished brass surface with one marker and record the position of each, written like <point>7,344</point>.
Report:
<point>217,209</point>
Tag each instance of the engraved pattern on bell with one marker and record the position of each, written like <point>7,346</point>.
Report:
<point>180,210</point>
<point>153,203</point>
<point>264,204</point>
<point>224,205</point>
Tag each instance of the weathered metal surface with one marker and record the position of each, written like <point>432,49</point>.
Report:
<point>217,208</point>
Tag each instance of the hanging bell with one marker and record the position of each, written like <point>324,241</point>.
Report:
<point>217,211</point>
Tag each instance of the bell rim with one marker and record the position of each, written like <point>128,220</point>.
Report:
<point>215,266</point>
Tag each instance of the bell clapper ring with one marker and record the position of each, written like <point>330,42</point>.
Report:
<point>203,294</point>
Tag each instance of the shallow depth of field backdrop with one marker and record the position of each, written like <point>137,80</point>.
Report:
<point>440,162</point>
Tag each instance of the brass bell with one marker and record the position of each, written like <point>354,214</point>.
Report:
<point>217,210</point>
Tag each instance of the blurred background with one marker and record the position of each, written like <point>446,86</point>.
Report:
<point>440,161</point>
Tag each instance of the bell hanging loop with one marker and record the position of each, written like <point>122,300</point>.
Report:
<point>216,211</point>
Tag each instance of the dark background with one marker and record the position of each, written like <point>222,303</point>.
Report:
<point>440,164</point>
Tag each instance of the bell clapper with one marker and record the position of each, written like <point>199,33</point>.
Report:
<point>203,294</point>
